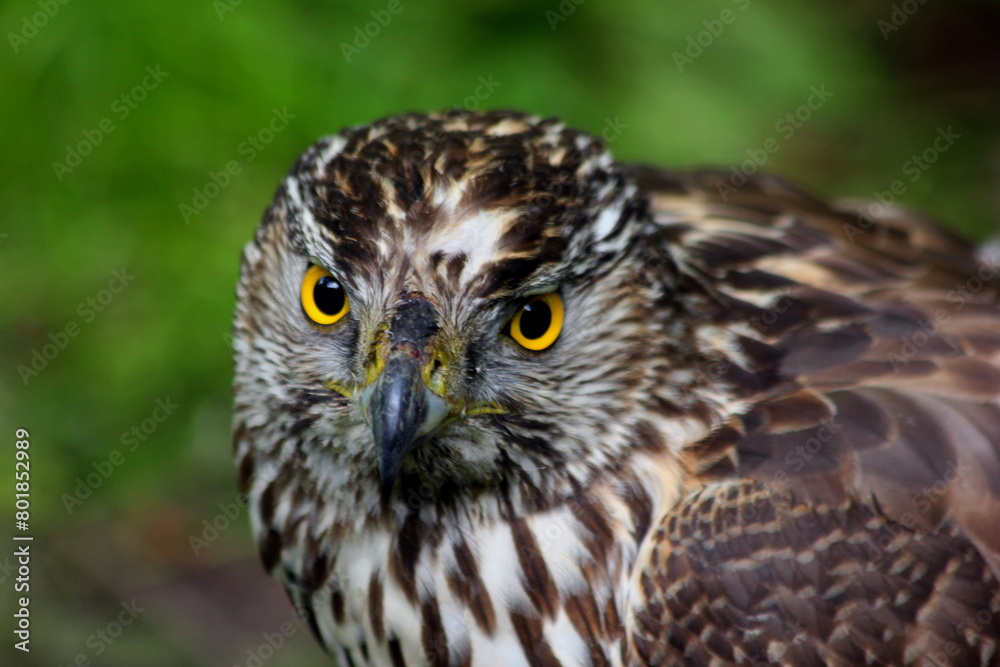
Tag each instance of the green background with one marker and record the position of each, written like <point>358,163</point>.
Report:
<point>163,337</point>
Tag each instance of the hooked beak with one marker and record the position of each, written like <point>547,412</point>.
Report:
<point>402,411</point>
<point>399,407</point>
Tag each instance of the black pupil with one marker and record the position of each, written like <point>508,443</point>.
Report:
<point>329,295</point>
<point>535,320</point>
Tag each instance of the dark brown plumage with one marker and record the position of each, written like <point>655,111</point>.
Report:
<point>860,489</point>
<point>768,430</point>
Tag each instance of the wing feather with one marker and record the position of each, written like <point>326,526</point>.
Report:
<point>874,429</point>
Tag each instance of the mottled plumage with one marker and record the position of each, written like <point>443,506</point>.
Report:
<point>768,430</point>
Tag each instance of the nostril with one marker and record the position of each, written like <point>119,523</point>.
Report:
<point>437,364</point>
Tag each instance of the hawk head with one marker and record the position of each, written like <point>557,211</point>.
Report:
<point>460,299</point>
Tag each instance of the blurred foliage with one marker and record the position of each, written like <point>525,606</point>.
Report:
<point>229,65</point>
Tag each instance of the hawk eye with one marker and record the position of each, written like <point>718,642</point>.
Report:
<point>323,297</point>
<point>537,325</point>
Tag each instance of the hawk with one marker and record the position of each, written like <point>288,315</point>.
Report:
<point>501,400</point>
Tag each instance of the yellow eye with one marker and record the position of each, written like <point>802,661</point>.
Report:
<point>323,297</point>
<point>537,325</point>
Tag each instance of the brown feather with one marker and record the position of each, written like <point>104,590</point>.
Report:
<point>875,456</point>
